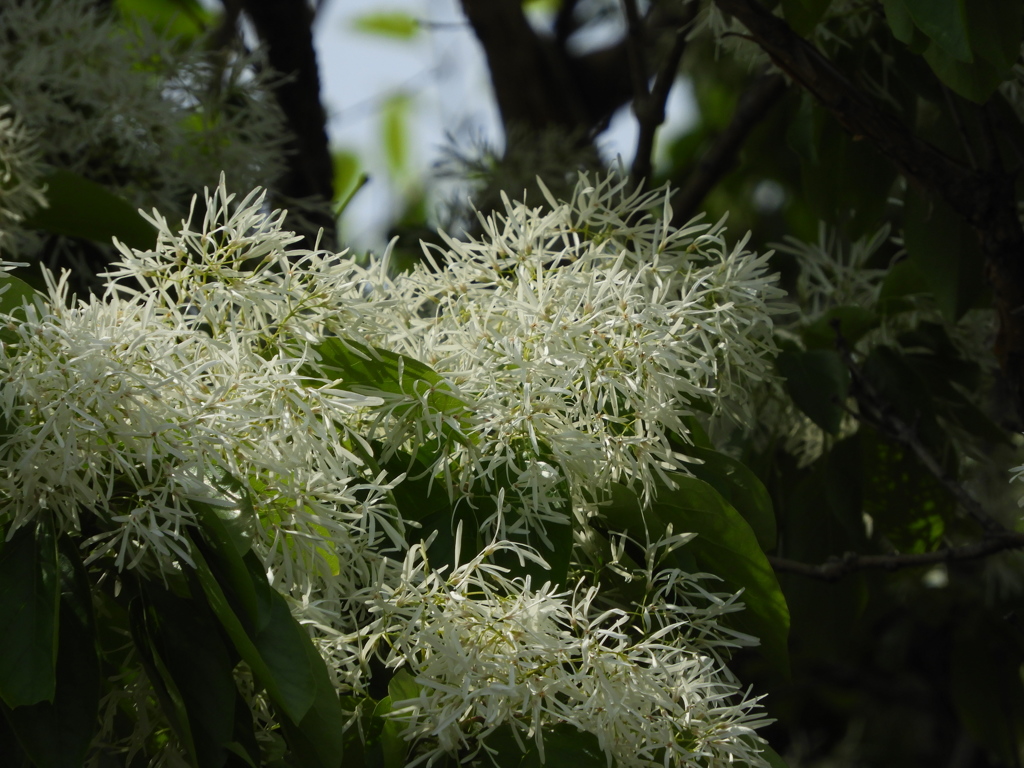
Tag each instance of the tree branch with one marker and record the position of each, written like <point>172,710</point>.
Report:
<point>984,198</point>
<point>720,157</point>
<point>285,27</point>
<point>873,409</point>
<point>649,106</point>
<point>836,568</point>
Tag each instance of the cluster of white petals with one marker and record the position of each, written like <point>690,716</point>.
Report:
<point>489,653</point>
<point>189,381</point>
<point>567,344</point>
<point>584,331</point>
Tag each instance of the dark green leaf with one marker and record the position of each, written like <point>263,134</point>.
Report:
<point>17,292</point>
<point>906,394</point>
<point>986,687</point>
<point>287,676</point>
<point>899,19</point>
<point>804,15</point>
<point>946,250</point>
<point>773,758</point>
<point>29,604</point>
<point>82,208</point>
<point>195,664</point>
<point>818,382</point>
<point>564,745</point>
<point>904,281</point>
<point>280,653</point>
<point>725,546</point>
<point>740,487</point>
<point>58,734</point>
<point>977,81</point>
<point>945,22</point>
<point>996,28</point>
<point>906,503</point>
<point>852,323</point>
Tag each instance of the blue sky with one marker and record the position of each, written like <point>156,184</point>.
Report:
<point>442,70</point>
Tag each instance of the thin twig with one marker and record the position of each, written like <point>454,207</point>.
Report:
<point>636,42</point>
<point>720,157</point>
<point>873,409</point>
<point>836,568</point>
<point>565,23</point>
<point>961,129</point>
<point>649,105</point>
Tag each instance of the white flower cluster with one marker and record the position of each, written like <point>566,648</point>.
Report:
<point>151,119</point>
<point>488,652</point>
<point>583,331</point>
<point>20,171</point>
<point>190,380</point>
<point>832,275</point>
<point>572,340</point>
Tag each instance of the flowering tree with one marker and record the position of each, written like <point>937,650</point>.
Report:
<point>554,492</point>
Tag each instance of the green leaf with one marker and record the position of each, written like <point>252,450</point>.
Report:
<point>907,394</point>
<point>818,382</point>
<point>900,21</point>
<point>203,683</point>
<point>184,19</point>
<point>15,293</point>
<point>945,22</point>
<point>773,758</point>
<point>395,129</point>
<point>985,686</point>
<point>996,28</point>
<point>277,649</point>
<point>906,503</point>
<point>11,302</point>
<point>803,15</point>
<point>29,605</point>
<point>564,745</point>
<point>725,546</point>
<point>397,25</point>
<point>372,370</point>
<point>740,487</point>
<point>852,323</point>
<point>348,178</point>
<point>976,82</point>
<point>904,281</point>
<point>82,208</point>
<point>58,734</point>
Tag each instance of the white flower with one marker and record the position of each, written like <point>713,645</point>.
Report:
<point>583,332</point>
<point>192,380</point>
<point>487,651</point>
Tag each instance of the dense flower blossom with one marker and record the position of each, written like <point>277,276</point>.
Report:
<point>567,345</point>
<point>487,651</point>
<point>191,380</point>
<point>584,330</point>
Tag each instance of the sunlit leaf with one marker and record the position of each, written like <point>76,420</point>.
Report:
<point>398,25</point>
